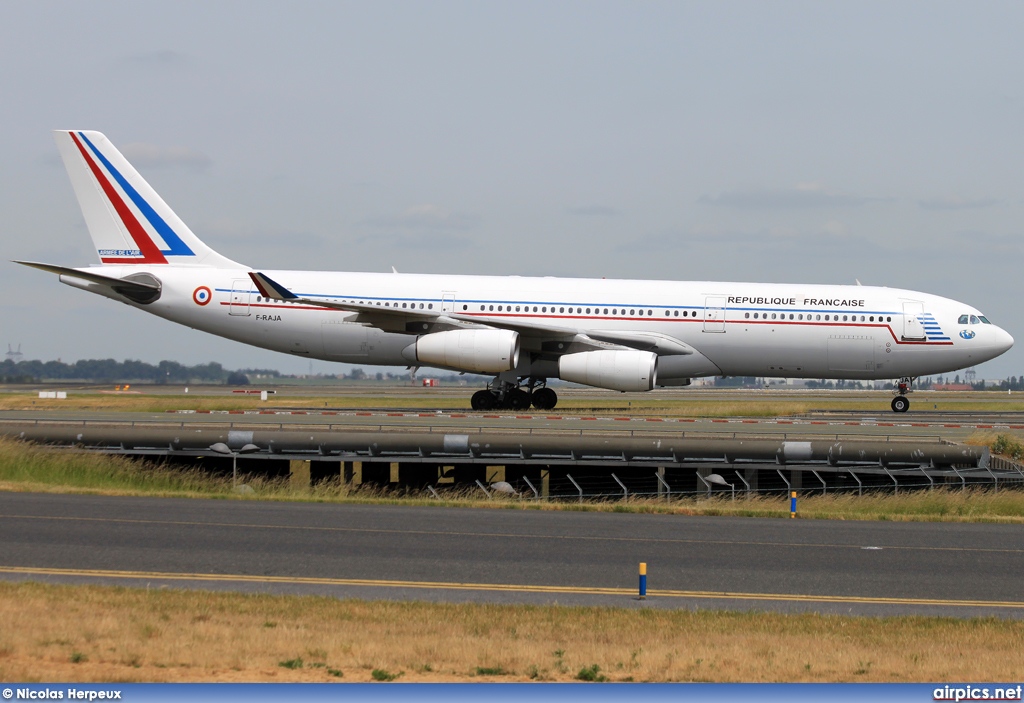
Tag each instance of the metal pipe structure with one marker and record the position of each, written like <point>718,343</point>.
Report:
<point>488,446</point>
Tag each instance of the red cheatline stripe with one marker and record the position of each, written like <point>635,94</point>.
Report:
<point>150,253</point>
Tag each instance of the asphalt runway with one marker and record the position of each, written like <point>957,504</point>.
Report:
<point>513,556</point>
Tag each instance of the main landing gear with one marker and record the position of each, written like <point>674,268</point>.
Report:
<point>901,404</point>
<point>505,395</point>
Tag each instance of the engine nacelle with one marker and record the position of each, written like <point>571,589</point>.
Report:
<point>481,351</point>
<point>617,370</point>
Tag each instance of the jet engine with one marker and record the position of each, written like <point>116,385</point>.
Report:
<point>480,351</point>
<point>617,370</point>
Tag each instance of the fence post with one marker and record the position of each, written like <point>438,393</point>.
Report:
<point>661,482</point>
<point>860,486</point>
<point>823,487</point>
<point>625,492</point>
<point>740,477</point>
<point>704,482</point>
<point>995,479</point>
<point>931,481</point>
<point>896,489</point>
<point>483,488</point>
<point>535,493</point>
<point>577,486</point>
<point>783,477</point>
<point>963,481</point>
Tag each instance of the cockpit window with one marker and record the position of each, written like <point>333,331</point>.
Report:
<point>985,320</point>
<point>974,319</point>
<point>962,320</point>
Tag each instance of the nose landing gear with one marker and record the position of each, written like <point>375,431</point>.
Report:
<point>901,404</point>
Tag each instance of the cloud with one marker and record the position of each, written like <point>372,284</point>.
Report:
<point>802,196</point>
<point>831,236</point>
<point>160,58</point>
<point>234,232</point>
<point>425,217</point>
<point>594,211</point>
<point>954,202</point>
<point>419,241</point>
<point>153,156</point>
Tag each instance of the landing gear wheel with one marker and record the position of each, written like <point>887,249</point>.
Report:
<point>518,399</point>
<point>900,404</point>
<point>544,399</point>
<point>482,400</point>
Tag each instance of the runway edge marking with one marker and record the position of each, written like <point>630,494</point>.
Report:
<point>522,588</point>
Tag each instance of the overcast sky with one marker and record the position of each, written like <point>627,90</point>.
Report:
<point>784,141</point>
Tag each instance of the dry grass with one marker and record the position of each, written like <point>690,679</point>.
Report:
<point>92,633</point>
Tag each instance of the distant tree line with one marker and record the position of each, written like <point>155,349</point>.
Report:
<point>113,371</point>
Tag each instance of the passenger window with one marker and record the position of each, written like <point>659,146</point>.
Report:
<point>561,309</point>
<point>430,306</point>
<point>962,320</point>
<point>844,318</point>
<point>817,317</point>
<point>632,312</point>
<point>888,319</point>
<point>606,311</point>
<point>491,308</point>
<point>790,316</point>
<point>773,316</point>
<point>746,315</point>
<point>588,311</point>
<point>974,320</point>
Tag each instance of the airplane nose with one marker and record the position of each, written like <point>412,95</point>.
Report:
<point>1003,340</point>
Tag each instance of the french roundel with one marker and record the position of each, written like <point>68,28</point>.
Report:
<point>201,295</point>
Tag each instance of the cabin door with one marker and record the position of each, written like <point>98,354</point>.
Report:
<point>714,313</point>
<point>912,328</point>
<point>241,290</point>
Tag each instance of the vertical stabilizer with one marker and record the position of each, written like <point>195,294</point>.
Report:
<point>129,223</point>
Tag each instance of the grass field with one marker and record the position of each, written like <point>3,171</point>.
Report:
<point>93,633</point>
<point>690,403</point>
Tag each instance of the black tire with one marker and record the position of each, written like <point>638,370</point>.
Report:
<point>544,399</point>
<point>518,399</point>
<point>900,404</point>
<point>482,400</point>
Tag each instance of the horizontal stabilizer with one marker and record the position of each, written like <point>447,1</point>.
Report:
<point>140,288</point>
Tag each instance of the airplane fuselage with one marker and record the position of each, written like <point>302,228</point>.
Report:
<point>736,329</point>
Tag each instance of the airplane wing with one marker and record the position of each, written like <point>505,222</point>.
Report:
<point>553,338</point>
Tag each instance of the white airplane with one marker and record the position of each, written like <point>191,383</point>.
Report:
<point>624,335</point>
